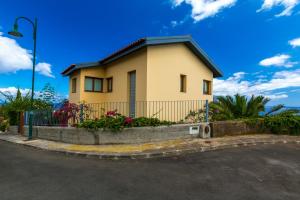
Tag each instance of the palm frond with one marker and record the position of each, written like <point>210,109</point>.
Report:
<point>275,109</point>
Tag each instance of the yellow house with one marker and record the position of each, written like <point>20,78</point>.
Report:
<point>162,76</point>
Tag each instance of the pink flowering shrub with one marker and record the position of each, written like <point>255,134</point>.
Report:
<point>68,111</point>
<point>115,121</point>
<point>128,121</point>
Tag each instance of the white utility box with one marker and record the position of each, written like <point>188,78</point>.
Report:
<point>194,130</point>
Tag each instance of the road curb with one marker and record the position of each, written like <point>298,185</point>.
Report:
<point>162,153</point>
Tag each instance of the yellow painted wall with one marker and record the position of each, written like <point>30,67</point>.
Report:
<point>119,71</point>
<point>74,97</point>
<point>165,64</point>
<point>91,97</point>
<point>158,70</point>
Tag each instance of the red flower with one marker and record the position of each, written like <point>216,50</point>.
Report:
<point>111,113</point>
<point>128,120</point>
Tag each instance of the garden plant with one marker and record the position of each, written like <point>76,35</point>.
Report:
<point>253,111</point>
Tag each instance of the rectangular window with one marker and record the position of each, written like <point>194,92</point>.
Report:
<point>109,84</point>
<point>93,84</point>
<point>182,83</point>
<point>74,82</point>
<point>206,87</point>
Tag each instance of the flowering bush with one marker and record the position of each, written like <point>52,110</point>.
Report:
<point>128,121</point>
<point>67,112</point>
<point>114,121</point>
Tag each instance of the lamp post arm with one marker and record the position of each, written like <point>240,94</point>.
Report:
<point>34,24</point>
<point>26,19</point>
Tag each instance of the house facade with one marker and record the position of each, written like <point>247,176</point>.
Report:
<point>161,69</point>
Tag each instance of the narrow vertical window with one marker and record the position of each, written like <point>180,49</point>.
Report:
<point>182,83</point>
<point>88,84</point>
<point>206,87</point>
<point>74,83</point>
<point>109,84</point>
<point>97,85</point>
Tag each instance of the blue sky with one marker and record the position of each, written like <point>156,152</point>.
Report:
<point>255,42</point>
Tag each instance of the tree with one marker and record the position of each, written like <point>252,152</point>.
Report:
<point>239,106</point>
<point>48,94</point>
<point>21,103</point>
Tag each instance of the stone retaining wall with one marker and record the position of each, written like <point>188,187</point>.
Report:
<point>136,135</point>
<point>13,129</point>
<point>232,128</point>
<point>127,136</point>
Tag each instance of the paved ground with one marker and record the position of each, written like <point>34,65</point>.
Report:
<point>154,149</point>
<point>256,172</point>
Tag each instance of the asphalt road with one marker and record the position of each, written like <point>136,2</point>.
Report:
<point>260,172</point>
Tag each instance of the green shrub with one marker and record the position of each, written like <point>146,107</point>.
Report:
<point>4,125</point>
<point>145,121</point>
<point>281,124</point>
<point>277,124</point>
<point>116,122</point>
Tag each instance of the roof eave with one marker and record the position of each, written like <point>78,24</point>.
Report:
<point>204,57</point>
<point>112,59</point>
<point>75,67</point>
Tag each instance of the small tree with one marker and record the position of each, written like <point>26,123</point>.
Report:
<point>48,94</point>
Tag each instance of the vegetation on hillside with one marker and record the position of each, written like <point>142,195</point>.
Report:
<point>15,104</point>
<point>253,111</point>
<point>241,107</point>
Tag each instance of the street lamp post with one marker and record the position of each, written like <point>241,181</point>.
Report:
<point>15,32</point>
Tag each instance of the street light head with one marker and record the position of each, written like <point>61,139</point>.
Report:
<point>15,32</point>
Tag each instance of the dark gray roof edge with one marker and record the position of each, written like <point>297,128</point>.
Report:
<point>209,62</point>
<point>81,66</point>
<point>133,49</point>
<point>168,38</point>
<point>86,64</point>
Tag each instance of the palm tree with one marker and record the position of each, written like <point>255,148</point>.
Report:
<point>239,106</point>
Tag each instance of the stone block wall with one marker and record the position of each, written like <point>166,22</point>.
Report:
<point>232,128</point>
<point>126,136</point>
<point>139,135</point>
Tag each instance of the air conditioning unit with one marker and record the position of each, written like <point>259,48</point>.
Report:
<point>205,131</point>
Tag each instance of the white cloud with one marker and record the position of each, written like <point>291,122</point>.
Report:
<point>14,58</point>
<point>175,23</point>
<point>13,91</point>
<point>177,2</point>
<point>277,96</point>
<point>44,69</point>
<point>281,60</point>
<point>238,84</point>
<point>288,5</point>
<point>295,42</point>
<point>202,9</point>
<point>233,85</point>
